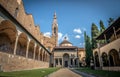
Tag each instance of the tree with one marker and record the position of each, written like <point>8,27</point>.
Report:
<point>110,21</point>
<point>88,49</point>
<point>102,27</point>
<point>94,34</point>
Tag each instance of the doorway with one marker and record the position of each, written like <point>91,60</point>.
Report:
<point>66,63</point>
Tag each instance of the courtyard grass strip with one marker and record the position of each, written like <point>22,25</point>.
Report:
<point>29,73</point>
<point>100,73</point>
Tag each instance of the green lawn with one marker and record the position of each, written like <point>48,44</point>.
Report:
<point>29,73</point>
<point>100,73</point>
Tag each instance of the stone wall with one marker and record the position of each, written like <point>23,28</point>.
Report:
<point>27,21</point>
<point>12,62</point>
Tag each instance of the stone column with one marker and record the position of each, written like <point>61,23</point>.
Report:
<point>34,51</point>
<point>16,42</point>
<point>62,62</point>
<point>73,62</point>
<point>27,49</point>
<point>94,62</point>
<point>98,45</point>
<point>58,61</point>
<point>43,55</point>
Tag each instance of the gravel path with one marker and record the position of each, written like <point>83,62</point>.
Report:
<point>64,72</point>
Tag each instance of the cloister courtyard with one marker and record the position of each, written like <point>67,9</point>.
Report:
<point>71,48</point>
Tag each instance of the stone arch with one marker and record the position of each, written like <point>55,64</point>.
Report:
<point>37,52</point>
<point>31,49</point>
<point>66,59</point>
<point>8,34</point>
<point>114,58</point>
<point>96,59</point>
<point>105,59</point>
<point>22,45</point>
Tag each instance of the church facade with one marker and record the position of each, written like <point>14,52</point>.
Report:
<point>66,55</point>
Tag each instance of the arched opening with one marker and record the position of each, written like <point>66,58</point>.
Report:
<point>66,60</point>
<point>97,59</point>
<point>105,59</point>
<point>31,49</point>
<point>7,36</point>
<point>76,62</point>
<point>37,53</point>
<point>44,56</point>
<point>55,30</point>
<point>16,12</point>
<point>114,58</point>
<point>41,54</point>
<point>22,45</point>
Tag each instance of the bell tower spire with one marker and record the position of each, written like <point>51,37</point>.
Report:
<point>55,28</point>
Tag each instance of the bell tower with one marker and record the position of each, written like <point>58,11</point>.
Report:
<point>55,29</point>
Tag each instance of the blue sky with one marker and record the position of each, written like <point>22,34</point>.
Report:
<point>73,16</point>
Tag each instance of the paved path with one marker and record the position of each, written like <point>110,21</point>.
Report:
<point>64,72</point>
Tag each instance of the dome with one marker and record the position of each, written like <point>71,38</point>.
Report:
<point>65,42</point>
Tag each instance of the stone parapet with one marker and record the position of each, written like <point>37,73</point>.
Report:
<point>10,62</point>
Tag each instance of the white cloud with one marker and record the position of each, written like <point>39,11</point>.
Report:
<point>78,36</point>
<point>77,31</point>
<point>59,36</point>
<point>47,34</point>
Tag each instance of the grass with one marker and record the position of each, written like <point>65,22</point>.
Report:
<point>29,73</point>
<point>100,73</point>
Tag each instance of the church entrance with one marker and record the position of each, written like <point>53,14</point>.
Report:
<point>66,63</point>
<point>66,60</point>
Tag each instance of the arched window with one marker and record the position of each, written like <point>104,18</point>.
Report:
<point>96,59</point>
<point>55,30</point>
<point>16,12</point>
<point>114,58</point>
<point>105,59</point>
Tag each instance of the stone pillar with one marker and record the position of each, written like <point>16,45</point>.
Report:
<point>58,61</point>
<point>94,62</point>
<point>43,55</point>
<point>27,49</point>
<point>62,62</point>
<point>73,62</point>
<point>16,42</point>
<point>34,51</point>
<point>98,45</point>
